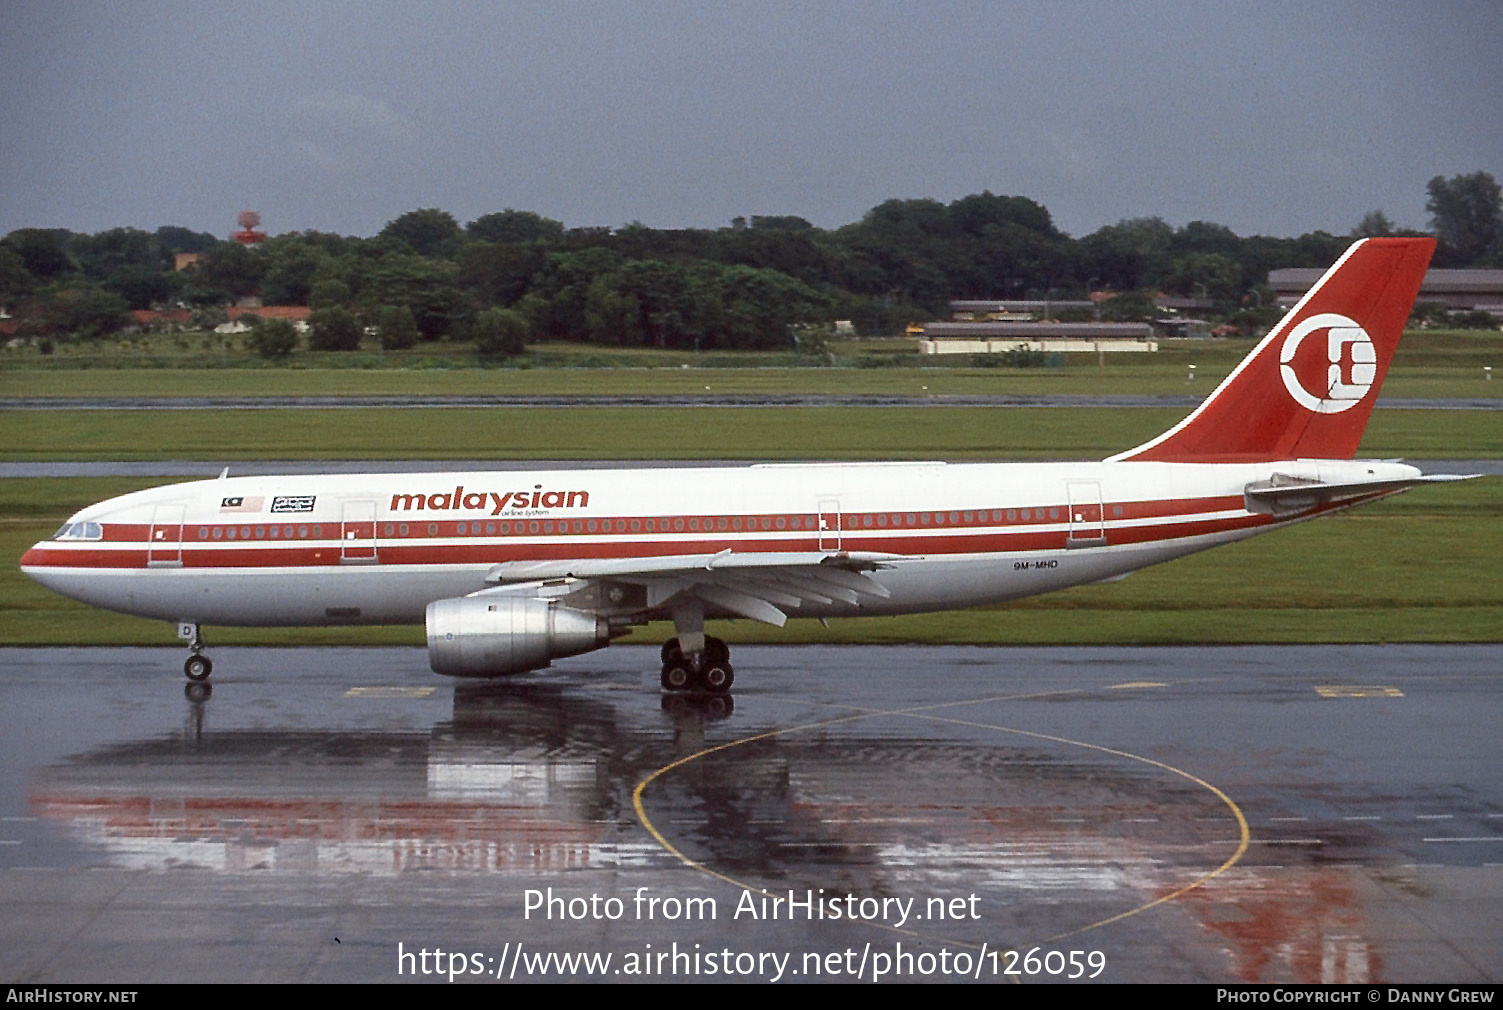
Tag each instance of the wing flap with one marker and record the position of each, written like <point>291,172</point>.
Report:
<point>760,586</point>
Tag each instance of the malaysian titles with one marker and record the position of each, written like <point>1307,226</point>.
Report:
<point>496,501</point>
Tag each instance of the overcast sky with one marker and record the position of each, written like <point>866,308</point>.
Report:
<point>1272,118</point>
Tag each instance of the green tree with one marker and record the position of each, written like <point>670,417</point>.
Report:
<point>292,266</point>
<point>428,232</point>
<point>174,239</point>
<point>43,251</point>
<point>1466,212</point>
<point>233,267</point>
<point>75,308</point>
<point>15,281</point>
<point>396,326</point>
<point>500,333</point>
<point>1374,224</point>
<point>1129,254</point>
<point>423,285</point>
<point>333,329</point>
<point>1210,275</point>
<point>328,293</point>
<point>499,274</point>
<point>141,287</point>
<point>274,339</point>
<point>109,252</point>
<point>518,227</point>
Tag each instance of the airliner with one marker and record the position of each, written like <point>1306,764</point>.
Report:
<point>510,570</point>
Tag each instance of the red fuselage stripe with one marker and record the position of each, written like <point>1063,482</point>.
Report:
<point>417,550</point>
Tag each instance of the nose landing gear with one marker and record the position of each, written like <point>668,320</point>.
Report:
<point>197,666</point>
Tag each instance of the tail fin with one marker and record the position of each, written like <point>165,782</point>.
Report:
<point>1306,391</point>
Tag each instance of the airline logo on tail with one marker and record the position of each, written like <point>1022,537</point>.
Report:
<point>1351,358</point>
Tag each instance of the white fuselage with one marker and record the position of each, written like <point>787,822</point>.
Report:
<point>378,548</point>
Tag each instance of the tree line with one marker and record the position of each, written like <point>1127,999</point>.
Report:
<point>513,276</point>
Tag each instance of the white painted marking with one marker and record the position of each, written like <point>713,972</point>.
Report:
<point>389,692</point>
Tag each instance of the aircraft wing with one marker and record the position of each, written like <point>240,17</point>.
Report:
<point>1286,494</point>
<point>760,586</point>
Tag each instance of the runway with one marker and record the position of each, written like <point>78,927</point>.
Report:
<point>1208,815</point>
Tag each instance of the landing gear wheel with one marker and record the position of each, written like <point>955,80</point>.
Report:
<point>676,677</point>
<point>716,653</point>
<point>198,667</point>
<point>671,653</point>
<point>717,678</point>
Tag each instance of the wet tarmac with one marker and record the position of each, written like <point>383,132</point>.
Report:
<point>1229,814</point>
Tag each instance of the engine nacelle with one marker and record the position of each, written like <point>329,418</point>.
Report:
<point>490,636</point>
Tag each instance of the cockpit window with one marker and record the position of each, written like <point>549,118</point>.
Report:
<point>80,531</point>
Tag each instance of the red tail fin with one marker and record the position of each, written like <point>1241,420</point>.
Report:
<point>1306,391</point>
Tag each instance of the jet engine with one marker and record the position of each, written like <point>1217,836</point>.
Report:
<point>490,636</point>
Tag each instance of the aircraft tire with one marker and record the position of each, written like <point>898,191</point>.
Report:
<point>717,678</point>
<point>671,653</point>
<point>198,667</point>
<point>717,653</point>
<point>676,677</point>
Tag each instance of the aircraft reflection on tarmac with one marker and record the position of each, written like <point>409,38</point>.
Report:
<point>529,778</point>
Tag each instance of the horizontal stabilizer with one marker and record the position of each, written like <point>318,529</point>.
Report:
<point>1287,495</point>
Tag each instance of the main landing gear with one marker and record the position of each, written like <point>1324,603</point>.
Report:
<point>197,666</point>
<point>709,670</point>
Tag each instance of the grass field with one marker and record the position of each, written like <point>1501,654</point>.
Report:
<point>748,433</point>
<point>1422,567</point>
<point>1429,364</point>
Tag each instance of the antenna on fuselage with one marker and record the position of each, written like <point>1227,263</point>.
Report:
<point>224,473</point>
